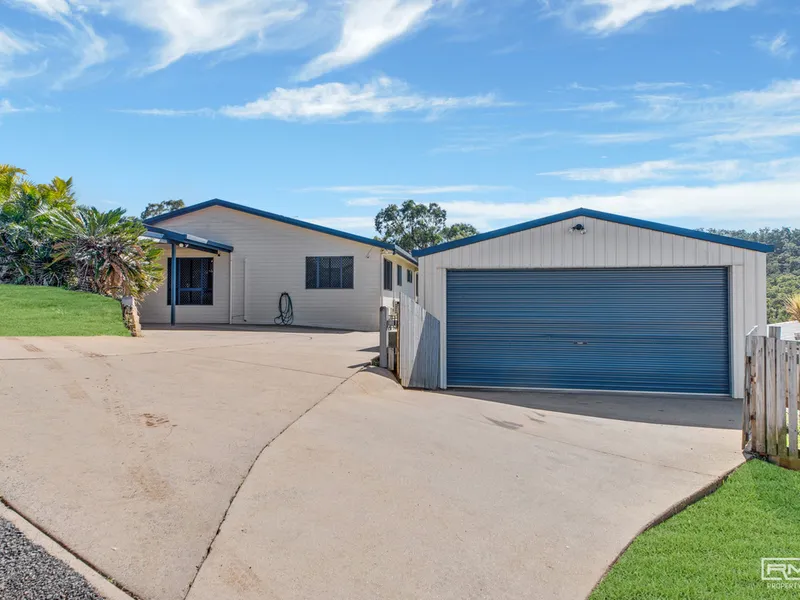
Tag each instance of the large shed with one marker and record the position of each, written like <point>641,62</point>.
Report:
<point>595,301</point>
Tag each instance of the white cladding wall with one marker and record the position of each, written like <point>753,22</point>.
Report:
<point>389,297</point>
<point>269,258</point>
<point>154,308</point>
<point>607,244</point>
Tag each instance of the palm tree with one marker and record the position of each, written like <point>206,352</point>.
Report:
<point>25,210</point>
<point>10,179</point>
<point>107,251</point>
<point>793,307</point>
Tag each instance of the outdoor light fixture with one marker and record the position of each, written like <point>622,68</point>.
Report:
<point>579,228</point>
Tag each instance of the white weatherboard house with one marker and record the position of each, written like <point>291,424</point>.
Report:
<point>590,300</point>
<point>234,263</point>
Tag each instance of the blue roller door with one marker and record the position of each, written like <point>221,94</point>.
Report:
<point>658,330</point>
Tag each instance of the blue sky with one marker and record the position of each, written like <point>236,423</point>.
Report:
<point>681,111</point>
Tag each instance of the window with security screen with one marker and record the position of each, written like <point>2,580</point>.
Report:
<point>195,282</point>
<point>387,274</point>
<point>329,272</point>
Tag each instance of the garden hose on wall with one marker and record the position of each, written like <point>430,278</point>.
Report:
<point>285,310</point>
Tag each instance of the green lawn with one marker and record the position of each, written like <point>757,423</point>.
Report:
<point>713,549</point>
<point>32,310</point>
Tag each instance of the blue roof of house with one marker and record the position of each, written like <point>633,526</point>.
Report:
<point>288,220</point>
<point>192,241</point>
<point>595,214</point>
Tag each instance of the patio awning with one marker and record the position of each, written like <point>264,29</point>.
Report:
<point>186,240</point>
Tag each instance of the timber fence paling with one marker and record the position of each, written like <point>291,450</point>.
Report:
<point>792,394</point>
<point>757,395</point>
<point>781,429</point>
<point>772,397</point>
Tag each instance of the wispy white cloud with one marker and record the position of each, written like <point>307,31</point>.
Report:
<point>90,50</point>
<point>78,39</point>
<point>623,137</point>
<point>491,141</point>
<point>368,26</point>
<point>368,201</point>
<point>704,205</point>
<point>683,117</point>
<point>6,108</point>
<point>12,44</point>
<point>50,8</point>
<point>407,190</point>
<point>609,16</point>
<point>508,49</point>
<point>189,27</point>
<point>185,27</point>
<point>591,107</point>
<point>767,183</point>
<point>358,28</point>
<point>752,116</point>
<point>778,45</point>
<point>655,170</point>
<point>381,96</point>
<point>167,112</point>
<point>652,86</point>
<point>12,48</point>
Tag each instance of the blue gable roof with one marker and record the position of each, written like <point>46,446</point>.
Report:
<point>288,220</point>
<point>595,214</point>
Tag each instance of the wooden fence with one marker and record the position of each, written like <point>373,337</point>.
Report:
<point>418,334</point>
<point>770,417</point>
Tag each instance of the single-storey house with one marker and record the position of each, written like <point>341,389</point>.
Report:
<point>591,300</point>
<point>234,263</point>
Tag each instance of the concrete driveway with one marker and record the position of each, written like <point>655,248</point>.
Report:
<point>132,453</point>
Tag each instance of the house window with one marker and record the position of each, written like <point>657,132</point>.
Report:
<point>409,276</point>
<point>387,274</point>
<point>195,282</point>
<point>417,289</point>
<point>399,276</point>
<point>329,272</point>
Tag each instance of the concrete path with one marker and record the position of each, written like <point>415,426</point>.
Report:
<point>130,452</point>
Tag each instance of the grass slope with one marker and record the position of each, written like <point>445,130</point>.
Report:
<point>33,310</point>
<point>713,549</point>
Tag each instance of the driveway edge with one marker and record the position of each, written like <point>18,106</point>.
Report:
<point>104,585</point>
<point>673,510</point>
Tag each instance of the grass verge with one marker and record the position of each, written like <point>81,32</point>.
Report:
<point>713,549</point>
<point>36,311</point>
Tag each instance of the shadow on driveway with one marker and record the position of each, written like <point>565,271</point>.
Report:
<point>250,328</point>
<point>689,411</point>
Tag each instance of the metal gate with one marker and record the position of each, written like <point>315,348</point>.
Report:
<point>648,329</point>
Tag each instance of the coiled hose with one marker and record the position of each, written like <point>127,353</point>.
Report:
<point>285,310</point>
